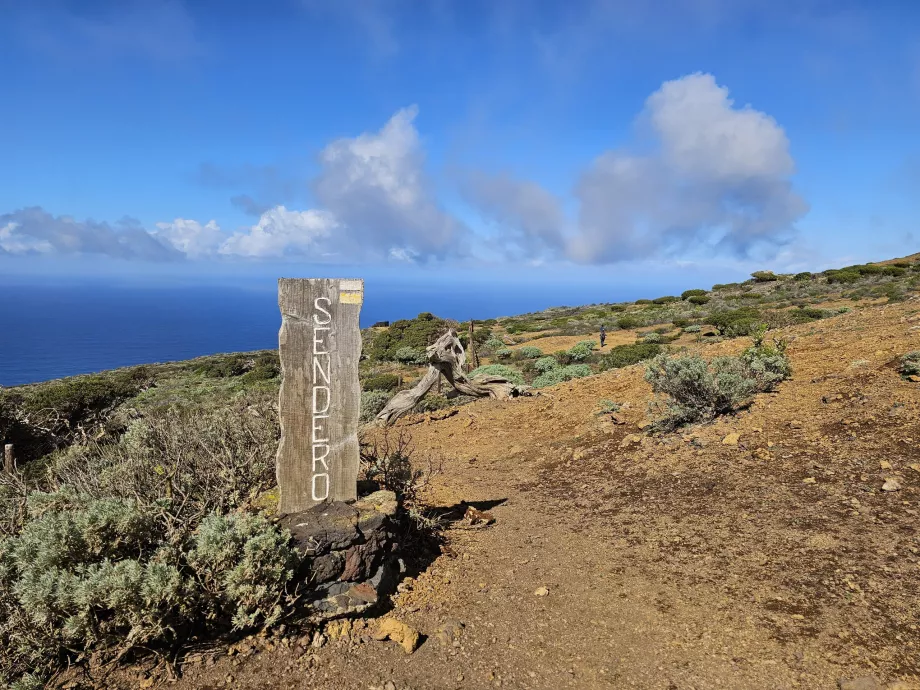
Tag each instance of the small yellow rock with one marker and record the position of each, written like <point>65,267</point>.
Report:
<point>401,633</point>
<point>731,440</point>
<point>809,480</point>
<point>541,592</point>
<point>885,465</point>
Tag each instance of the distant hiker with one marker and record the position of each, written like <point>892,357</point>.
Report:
<point>603,335</point>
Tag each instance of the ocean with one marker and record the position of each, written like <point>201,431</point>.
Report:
<point>54,331</point>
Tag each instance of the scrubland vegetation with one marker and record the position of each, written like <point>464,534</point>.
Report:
<point>137,519</point>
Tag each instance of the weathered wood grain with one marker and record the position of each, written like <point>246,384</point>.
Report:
<point>320,400</point>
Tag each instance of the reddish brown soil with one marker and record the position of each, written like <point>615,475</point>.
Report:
<point>671,562</point>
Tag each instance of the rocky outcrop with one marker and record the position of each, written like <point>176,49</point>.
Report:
<point>348,551</point>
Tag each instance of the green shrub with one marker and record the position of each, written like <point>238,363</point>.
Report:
<point>371,404</point>
<point>545,364</point>
<point>381,382</point>
<point>667,299</point>
<point>410,355</point>
<point>624,355</point>
<point>680,322</point>
<point>804,275</point>
<point>243,564</point>
<point>102,576</point>
<point>628,322</point>
<point>910,364</point>
<point>693,328</point>
<point>842,277</point>
<point>652,338</point>
<point>529,352</point>
<point>691,293</point>
<point>725,286</point>
<point>580,351</point>
<point>699,299</point>
<point>643,301</point>
<point>700,390</point>
<point>894,271</point>
<point>415,333</point>
<point>502,370</point>
<point>561,374</point>
<point>495,344</point>
<point>504,353</point>
<point>764,276</point>
<point>736,322</point>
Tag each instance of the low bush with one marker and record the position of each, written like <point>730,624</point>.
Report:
<point>529,352</point>
<point>643,301</point>
<point>736,322</point>
<point>693,328</point>
<point>628,322</point>
<point>544,364</point>
<point>667,299</point>
<point>910,364</point>
<point>691,293</point>
<point>494,344</point>
<point>561,374</point>
<point>381,382</point>
<point>725,286</point>
<point>504,353</point>
<point>804,275</point>
<point>410,355</point>
<point>104,576</point>
<point>680,322</point>
<point>415,334</point>
<point>624,355</point>
<point>371,404</point>
<point>842,277</point>
<point>764,276</point>
<point>652,338</point>
<point>699,299</point>
<point>502,370</point>
<point>700,390</point>
<point>580,351</point>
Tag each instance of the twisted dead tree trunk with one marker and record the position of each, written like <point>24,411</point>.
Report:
<point>446,357</point>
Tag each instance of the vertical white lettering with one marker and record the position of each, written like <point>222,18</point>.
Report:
<point>318,426</point>
<point>320,458</point>
<point>319,308</point>
<point>316,410</point>
<point>317,496</point>
<point>319,341</point>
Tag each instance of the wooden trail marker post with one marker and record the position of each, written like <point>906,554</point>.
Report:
<point>9,460</point>
<point>320,399</point>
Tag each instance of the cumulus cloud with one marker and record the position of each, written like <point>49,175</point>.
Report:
<point>718,175</point>
<point>373,192</point>
<point>190,237</point>
<point>280,232</point>
<point>35,231</point>
<point>529,218</point>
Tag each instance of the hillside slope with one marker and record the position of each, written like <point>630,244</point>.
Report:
<point>673,561</point>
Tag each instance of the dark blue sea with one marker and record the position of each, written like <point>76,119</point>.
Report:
<point>55,331</point>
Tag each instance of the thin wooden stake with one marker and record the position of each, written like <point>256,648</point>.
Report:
<point>474,357</point>
<point>9,460</point>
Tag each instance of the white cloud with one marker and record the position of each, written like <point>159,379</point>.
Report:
<point>34,231</point>
<point>191,237</point>
<point>718,176</point>
<point>281,232</point>
<point>376,186</point>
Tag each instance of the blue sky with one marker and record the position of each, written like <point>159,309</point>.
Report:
<point>528,139</point>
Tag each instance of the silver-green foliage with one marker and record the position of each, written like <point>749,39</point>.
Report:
<point>503,370</point>
<point>530,352</point>
<point>700,389</point>
<point>910,364</point>
<point>98,575</point>
<point>503,353</point>
<point>581,351</point>
<point>409,355</point>
<point>372,402</point>
<point>545,364</point>
<point>560,374</point>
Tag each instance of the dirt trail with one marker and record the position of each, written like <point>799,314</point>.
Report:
<point>672,562</point>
